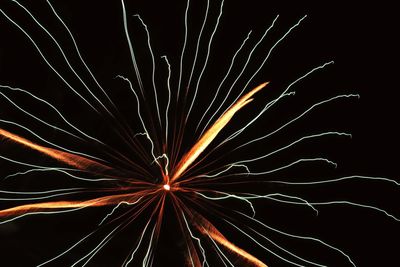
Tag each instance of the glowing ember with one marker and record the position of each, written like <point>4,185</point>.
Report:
<point>167,187</point>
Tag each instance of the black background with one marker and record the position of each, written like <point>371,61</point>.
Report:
<point>361,39</point>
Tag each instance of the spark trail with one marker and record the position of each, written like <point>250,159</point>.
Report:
<point>70,159</point>
<point>211,133</point>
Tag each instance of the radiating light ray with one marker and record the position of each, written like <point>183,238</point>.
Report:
<point>44,169</point>
<point>222,259</point>
<point>227,196</point>
<point>25,214</point>
<point>255,118</point>
<point>68,250</point>
<point>39,198</point>
<point>262,246</point>
<point>40,192</point>
<point>183,51</point>
<point>272,196</point>
<point>76,161</point>
<point>79,53</point>
<point>279,247</point>
<point>147,257</point>
<point>240,74</point>
<point>49,124</point>
<point>37,118</point>
<point>292,144</point>
<point>246,197</point>
<point>140,151</point>
<point>203,252</point>
<point>132,255</point>
<point>223,80</point>
<point>192,257</point>
<point>153,64</point>
<point>156,229</point>
<point>212,132</point>
<point>224,242</point>
<point>48,63</point>
<point>117,206</point>
<point>38,168</point>
<point>46,123</point>
<point>135,249</point>
<point>140,116</point>
<point>165,173</point>
<point>252,173</point>
<point>345,202</point>
<point>168,101</point>
<point>96,249</point>
<point>270,52</point>
<point>131,51</point>
<point>196,53</point>
<point>345,178</point>
<point>54,205</point>
<point>332,203</point>
<point>221,253</point>
<point>297,236</point>
<point>271,103</point>
<point>67,206</point>
<point>205,62</point>
<point>292,164</point>
<point>226,169</point>
<point>50,143</point>
<point>208,229</point>
<point>63,55</point>
<point>297,118</point>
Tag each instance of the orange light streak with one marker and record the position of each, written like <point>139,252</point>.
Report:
<point>70,159</point>
<point>207,228</point>
<point>212,132</point>
<point>55,205</point>
<point>218,237</point>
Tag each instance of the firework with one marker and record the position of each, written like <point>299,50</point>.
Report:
<point>170,160</point>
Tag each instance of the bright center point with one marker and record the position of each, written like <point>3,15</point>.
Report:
<point>167,187</point>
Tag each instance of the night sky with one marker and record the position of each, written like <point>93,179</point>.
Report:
<point>361,39</point>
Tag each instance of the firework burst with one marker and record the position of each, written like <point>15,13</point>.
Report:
<point>170,156</point>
